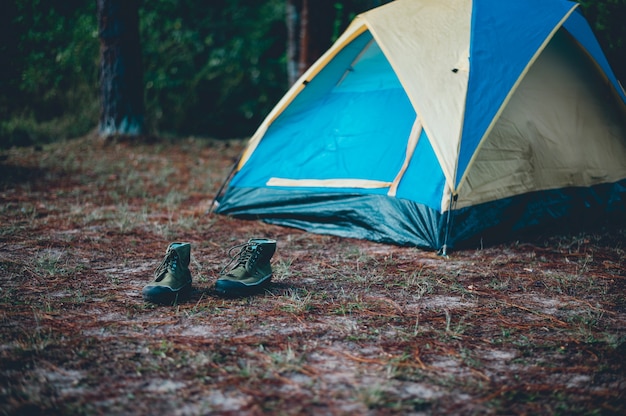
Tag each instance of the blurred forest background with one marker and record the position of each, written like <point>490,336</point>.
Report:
<point>211,68</point>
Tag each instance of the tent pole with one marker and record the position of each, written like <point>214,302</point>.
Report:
<point>444,249</point>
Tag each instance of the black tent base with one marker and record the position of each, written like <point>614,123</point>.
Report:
<point>385,219</point>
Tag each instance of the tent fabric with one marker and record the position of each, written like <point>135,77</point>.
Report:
<point>521,28</point>
<point>435,122</point>
<point>424,61</point>
<point>537,145</point>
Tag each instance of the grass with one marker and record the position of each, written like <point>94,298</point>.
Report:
<point>297,301</point>
<point>346,327</point>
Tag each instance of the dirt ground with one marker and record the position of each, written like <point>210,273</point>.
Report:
<point>347,327</point>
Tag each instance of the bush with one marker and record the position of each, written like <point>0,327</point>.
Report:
<point>48,86</point>
<point>212,68</point>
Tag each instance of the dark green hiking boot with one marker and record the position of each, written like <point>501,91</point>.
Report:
<point>172,279</point>
<point>252,270</point>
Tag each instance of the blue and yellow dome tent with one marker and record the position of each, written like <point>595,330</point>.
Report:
<point>434,123</point>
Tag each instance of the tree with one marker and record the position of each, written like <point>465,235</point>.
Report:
<point>293,12</point>
<point>121,77</point>
<point>312,26</point>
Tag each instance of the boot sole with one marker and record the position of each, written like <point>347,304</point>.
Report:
<point>166,296</point>
<point>232,288</point>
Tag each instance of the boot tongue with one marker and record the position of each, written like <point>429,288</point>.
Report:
<point>169,263</point>
<point>248,256</point>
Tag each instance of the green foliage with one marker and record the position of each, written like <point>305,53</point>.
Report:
<point>48,79</point>
<point>211,68</point>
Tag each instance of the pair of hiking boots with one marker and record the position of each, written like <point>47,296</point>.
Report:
<point>248,271</point>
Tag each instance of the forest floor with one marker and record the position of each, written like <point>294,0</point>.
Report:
<point>347,326</point>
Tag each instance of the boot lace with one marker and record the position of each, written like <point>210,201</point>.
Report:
<point>169,263</point>
<point>246,252</point>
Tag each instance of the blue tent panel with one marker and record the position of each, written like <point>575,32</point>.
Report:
<point>353,121</point>
<point>328,78</point>
<point>423,181</point>
<point>356,130</point>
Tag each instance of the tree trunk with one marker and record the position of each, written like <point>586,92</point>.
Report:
<point>316,30</point>
<point>121,74</point>
<point>309,30</point>
<point>294,11</point>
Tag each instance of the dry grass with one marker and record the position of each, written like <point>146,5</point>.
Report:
<point>347,327</point>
